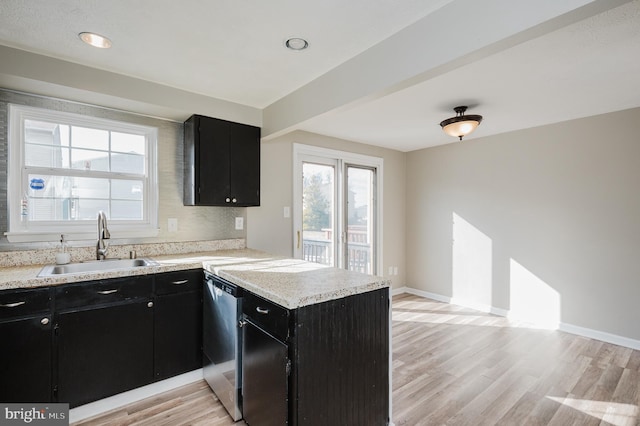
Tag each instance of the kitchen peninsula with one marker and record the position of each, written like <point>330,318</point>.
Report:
<point>337,331</point>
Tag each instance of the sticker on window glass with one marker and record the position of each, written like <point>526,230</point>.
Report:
<point>36,184</point>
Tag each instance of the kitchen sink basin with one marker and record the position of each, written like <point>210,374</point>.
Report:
<point>95,266</point>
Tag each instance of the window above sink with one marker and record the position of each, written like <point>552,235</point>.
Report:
<point>64,168</point>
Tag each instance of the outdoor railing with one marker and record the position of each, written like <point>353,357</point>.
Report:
<point>320,251</point>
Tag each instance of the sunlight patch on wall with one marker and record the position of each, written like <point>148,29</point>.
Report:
<point>614,413</point>
<point>532,300</point>
<point>472,266</point>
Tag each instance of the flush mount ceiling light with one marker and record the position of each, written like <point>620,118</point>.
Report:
<point>296,43</point>
<point>95,40</point>
<point>461,125</point>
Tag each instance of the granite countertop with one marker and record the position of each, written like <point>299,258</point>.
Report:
<point>291,283</point>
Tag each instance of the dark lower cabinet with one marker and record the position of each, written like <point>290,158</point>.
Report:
<point>104,351</point>
<point>103,338</point>
<point>339,362</point>
<point>265,387</point>
<point>177,323</point>
<point>26,349</point>
<point>341,370</point>
<point>81,342</point>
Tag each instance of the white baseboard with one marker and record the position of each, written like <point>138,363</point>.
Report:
<point>460,302</point>
<point>102,406</point>
<point>600,335</point>
<point>396,291</point>
<point>567,328</point>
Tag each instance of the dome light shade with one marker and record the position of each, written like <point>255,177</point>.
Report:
<point>460,125</point>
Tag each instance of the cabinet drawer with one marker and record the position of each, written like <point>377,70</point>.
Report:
<point>18,303</point>
<point>104,291</point>
<point>272,318</point>
<point>179,281</point>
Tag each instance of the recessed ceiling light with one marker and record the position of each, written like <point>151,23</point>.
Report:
<point>95,40</point>
<point>296,43</point>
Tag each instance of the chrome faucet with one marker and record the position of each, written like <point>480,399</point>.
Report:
<point>103,234</point>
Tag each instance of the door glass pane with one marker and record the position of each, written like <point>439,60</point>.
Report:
<point>360,220</point>
<point>318,236</point>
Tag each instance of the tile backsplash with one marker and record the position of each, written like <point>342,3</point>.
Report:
<point>78,254</point>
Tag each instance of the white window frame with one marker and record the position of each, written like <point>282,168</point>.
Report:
<point>76,230</point>
<point>312,153</point>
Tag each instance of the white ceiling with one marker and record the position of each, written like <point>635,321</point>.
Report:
<point>226,49</point>
<point>232,50</point>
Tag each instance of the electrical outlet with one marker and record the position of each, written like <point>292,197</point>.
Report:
<point>395,270</point>
<point>390,270</point>
<point>172,224</point>
<point>239,223</point>
<point>287,212</point>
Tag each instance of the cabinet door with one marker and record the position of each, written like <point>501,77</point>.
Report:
<point>245,165</point>
<point>222,163</point>
<point>25,348</point>
<point>212,161</point>
<point>25,360</point>
<point>104,351</point>
<point>264,378</point>
<point>177,334</point>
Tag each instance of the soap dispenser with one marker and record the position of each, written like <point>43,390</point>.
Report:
<point>63,256</point>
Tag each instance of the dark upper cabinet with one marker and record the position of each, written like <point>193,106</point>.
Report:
<point>25,353</point>
<point>221,163</point>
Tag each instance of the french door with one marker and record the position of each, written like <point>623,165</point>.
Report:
<point>336,208</point>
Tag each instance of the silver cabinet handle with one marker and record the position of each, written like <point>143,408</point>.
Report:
<point>13,305</point>
<point>227,199</point>
<point>105,292</point>
<point>262,311</point>
<point>242,323</point>
<point>234,201</point>
<point>44,321</point>
<point>150,305</point>
<point>179,282</point>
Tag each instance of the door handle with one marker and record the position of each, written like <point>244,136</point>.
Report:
<point>105,292</point>
<point>179,282</point>
<point>13,305</point>
<point>262,311</point>
<point>298,246</point>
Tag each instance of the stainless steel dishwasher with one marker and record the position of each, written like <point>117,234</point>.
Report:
<point>222,342</point>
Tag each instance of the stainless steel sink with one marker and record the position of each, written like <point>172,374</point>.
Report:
<point>96,266</point>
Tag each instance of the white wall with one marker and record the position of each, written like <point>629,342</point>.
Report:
<point>550,212</point>
<point>268,230</point>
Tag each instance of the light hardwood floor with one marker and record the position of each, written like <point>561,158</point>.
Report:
<point>457,366</point>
